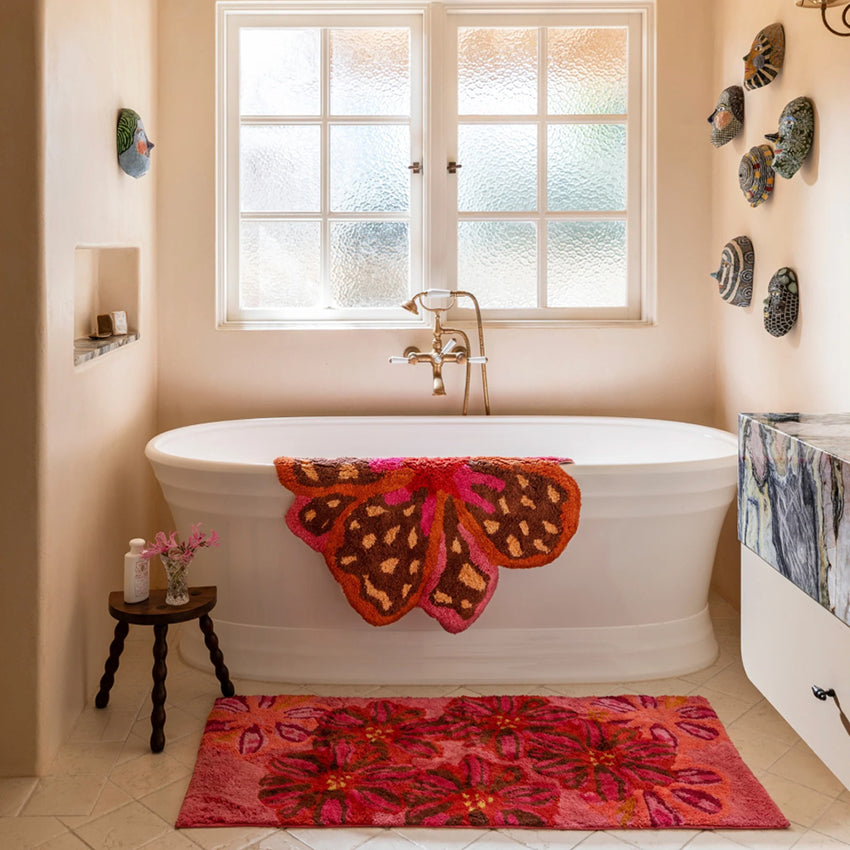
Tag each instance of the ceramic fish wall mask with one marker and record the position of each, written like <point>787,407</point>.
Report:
<point>134,147</point>
<point>793,141</point>
<point>762,63</point>
<point>735,275</point>
<point>727,120</point>
<point>755,174</point>
<point>782,303</point>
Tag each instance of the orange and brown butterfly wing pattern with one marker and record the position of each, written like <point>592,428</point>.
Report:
<point>381,557</point>
<point>531,518</point>
<point>323,490</point>
<point>462,580</point>
<point>312,475</point>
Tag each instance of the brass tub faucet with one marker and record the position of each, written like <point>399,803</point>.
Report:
<point>448,350</point>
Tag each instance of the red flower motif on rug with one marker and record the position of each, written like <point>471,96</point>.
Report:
<point>401,532</point>
<point>518,761</point>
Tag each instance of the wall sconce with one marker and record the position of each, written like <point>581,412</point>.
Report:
<point>823,5</point>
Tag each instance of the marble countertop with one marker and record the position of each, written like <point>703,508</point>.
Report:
<point>793,474</point>
<point>829,432</point>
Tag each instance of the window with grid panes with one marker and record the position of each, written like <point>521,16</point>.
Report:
<point>338,130</point>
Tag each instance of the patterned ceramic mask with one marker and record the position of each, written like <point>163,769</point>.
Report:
<point>762,63</point>
<point>735,275</point>
<point>727,120</point>
<point>782,303</point>
<point>794,139</point>
<point>134,147</point>
<point>755,174</point>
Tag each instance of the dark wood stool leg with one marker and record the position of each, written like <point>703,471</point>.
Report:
<point>115,650</point>
<point>211,640</point>
<point>160,650</point>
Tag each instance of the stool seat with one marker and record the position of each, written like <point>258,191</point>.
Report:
<point>154,611</point>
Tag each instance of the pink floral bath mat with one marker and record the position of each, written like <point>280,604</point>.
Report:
<point>617,762</point>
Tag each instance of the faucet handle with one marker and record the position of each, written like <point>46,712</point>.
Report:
<point>452,343</point>
<point>397,359</point>
<point>477,360</point>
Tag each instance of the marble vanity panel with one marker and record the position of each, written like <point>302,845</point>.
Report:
<point>793,472</point>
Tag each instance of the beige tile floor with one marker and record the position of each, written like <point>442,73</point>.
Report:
<point>107,791</point>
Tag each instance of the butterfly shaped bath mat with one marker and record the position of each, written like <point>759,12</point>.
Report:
<point>432,532</point>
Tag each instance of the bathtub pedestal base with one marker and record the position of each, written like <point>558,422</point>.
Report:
<point>394,655</point>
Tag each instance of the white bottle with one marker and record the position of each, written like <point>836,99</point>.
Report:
<point>137,586</point>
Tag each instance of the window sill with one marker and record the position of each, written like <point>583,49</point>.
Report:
<point>515,324</point>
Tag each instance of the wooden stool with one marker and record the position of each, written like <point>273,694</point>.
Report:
<point>154,612</point>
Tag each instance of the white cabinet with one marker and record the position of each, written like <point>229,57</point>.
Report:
<point>789,643</point>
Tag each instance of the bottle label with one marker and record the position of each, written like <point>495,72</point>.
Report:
<point>141,581</point>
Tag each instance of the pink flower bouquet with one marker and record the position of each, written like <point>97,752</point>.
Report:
<point>168,546</point>
<point>176,557</point>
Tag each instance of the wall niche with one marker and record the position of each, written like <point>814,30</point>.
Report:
<point>106,282</point>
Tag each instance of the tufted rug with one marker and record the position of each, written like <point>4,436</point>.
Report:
<point>616,762</point>
<point>430,532</point>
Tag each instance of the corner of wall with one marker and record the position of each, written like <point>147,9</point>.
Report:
<point>21,340</point>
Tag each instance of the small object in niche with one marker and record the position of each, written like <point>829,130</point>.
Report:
<point>735,275</point>
<point>793,141</point>
<point>727,120</point>
<point>134,147</point>
<point>119,322</point>
<point>104,325</point>
<point>782,303</point>
<point>755,174</point>
<point>762,63</point>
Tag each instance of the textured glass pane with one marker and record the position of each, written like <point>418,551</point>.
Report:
<point>280,168</point>
<point>279,264</point>
<point>588,71</point>
<point>497,260</point>
<point>369,168</point>
<point>279,72</point>
<point>499,168</point>
<point>370,71</point>
<point>587,167</point>
<point>370,262</point>
<point>587,264</point>
<point>497,71</point>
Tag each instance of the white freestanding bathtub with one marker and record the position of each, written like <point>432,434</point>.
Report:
<point>627,599</point>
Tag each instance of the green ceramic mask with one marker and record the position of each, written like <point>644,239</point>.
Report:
<point>134,147</point>
<point>793,141</point>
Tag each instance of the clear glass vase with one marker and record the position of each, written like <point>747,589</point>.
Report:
<point>177,573</point>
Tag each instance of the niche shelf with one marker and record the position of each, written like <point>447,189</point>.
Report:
<point>106,280</point>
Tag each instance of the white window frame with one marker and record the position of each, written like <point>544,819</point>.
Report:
<point>436,141</point>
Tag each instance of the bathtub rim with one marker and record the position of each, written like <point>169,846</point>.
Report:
<point>156,455</point>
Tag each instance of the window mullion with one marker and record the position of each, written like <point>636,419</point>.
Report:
<point>542,169</point>
<point>326,169</point>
